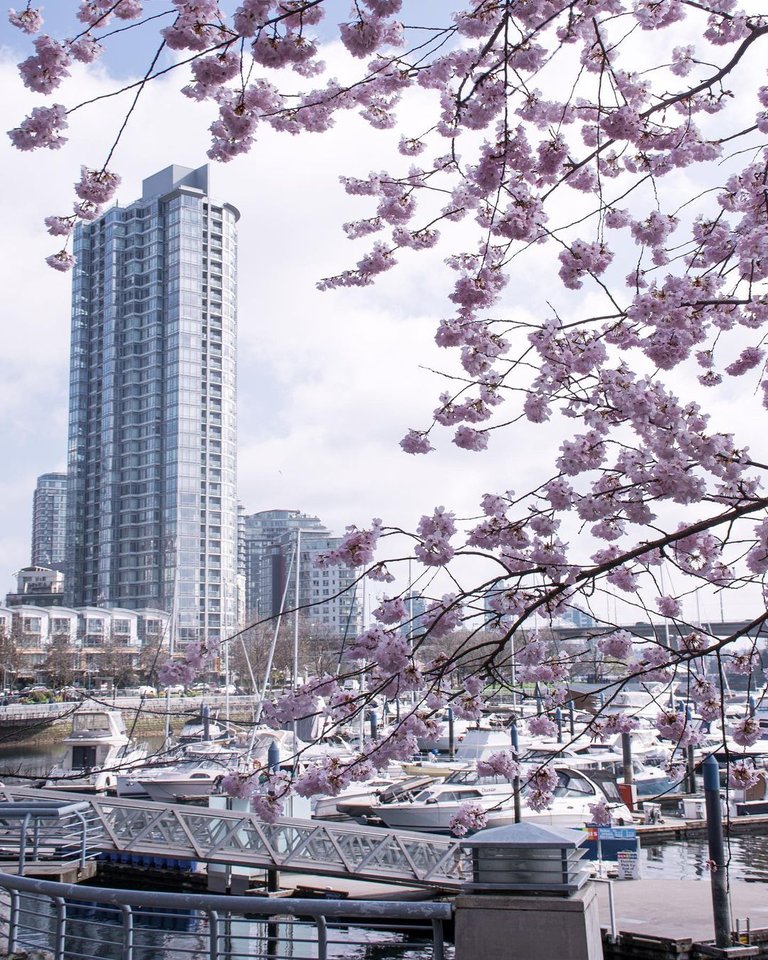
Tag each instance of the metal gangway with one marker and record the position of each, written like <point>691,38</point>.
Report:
<point>240,838</point>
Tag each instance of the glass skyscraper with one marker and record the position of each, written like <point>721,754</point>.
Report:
<point>49,512</point>
<point>151,507</point>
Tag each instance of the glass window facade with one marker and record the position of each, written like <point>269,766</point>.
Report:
<point>49,514</point>
<point>152,371</point>
<point>328,596</point>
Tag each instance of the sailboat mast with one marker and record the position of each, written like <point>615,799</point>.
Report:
<point>296,612</point>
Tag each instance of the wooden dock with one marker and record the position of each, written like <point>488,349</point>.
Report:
<point>675,828</point>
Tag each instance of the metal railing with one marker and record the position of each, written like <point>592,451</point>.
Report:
<point>300,846</point>
<point>87,923</point>
<point>49,830</point>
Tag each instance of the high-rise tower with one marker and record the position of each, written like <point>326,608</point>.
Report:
<point>151,510</point>
<point>329,597</point>
<point>49,512</point>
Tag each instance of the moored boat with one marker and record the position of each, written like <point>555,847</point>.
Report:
<point>98,749</point>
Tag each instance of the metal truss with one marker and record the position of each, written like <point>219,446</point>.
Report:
<point>241,838</point>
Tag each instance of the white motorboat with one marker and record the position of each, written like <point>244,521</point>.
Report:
<point>478,744</point>
<point>98,750</point>
<point>192,777</point>
<point>432,809</point>
<point>202,729</point>
<point>649,780</point>
<point>361,795</point>
<point>131,783</point>
<point>356,800</point>
<point>200,765</point>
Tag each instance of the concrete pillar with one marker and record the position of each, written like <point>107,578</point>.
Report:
<point>514,927</point>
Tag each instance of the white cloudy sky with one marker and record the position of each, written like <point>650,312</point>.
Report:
<point>328,382</point>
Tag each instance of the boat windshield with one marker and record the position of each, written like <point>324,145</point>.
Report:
<point>570,785</point>
<point>92,724</point>
<point>447,796</point>
<point>472,777</point>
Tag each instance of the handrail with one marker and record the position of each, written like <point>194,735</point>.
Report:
<point>224,903</point>
<point>226,920</point>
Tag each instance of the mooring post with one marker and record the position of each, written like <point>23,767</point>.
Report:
<point>691,765</point>
<point>571,718</point>
<point>559,722</point>
<point>516,780</point>
<point>273,757</point>
<point>451,735</point>
<point>626,757</point>
<point>716,852</point>
<point>273,762</point>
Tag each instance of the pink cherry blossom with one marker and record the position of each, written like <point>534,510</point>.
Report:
<point>542,727</point>
<point>391,611</point>
<point>742,775</point>
<point>600,813</point>
<point>356,547</point>
<point>467,819</point>
<point>499,764</point>
<point>61,261</point>
<point>29,20</point>
<point>435,532</point>
<point>240,785</point>
<point>668,606</point>
<point>746,732</point>
<point>44,71</point>
<point>617,646</point>
<point>442,617</point>
<point>416,442</point>
<point>41,129</point>
<point>96,186</point>
<point>749,358</point>
<point>59,226</point>
<point>174,672</point>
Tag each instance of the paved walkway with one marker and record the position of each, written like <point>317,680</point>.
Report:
<point>679,908</point>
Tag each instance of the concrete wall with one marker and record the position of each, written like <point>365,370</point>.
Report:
<point>498,927</point>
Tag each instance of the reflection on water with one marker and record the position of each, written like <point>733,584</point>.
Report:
<point>35,760</point>
<point>747,858</point>
<point>31,760</point>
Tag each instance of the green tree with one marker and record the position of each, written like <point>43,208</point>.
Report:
<point>9,654</point>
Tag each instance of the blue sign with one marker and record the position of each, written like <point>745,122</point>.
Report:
<point>613,840</point>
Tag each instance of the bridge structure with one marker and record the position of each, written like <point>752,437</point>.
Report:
<point>240,838</point>
<point>664,633</point>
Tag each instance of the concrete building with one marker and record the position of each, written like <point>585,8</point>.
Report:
<point>49,516</point>
<point>151,505</point>
<point>330,605</point>
<point>94,641</point>
<point>39,585</point>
